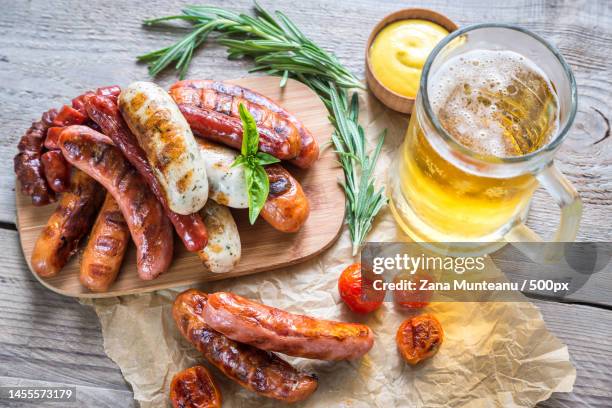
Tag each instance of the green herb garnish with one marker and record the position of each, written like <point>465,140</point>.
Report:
<point>253,161</point>
<point>278,47</point>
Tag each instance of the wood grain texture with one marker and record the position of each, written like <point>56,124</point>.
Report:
<point>263,247</point>
<point>52,50</point>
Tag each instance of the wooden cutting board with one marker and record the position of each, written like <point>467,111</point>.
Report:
<point>263,248</point>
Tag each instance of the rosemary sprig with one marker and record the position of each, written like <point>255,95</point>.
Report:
<point>278,47</point>
<point>363,201</point>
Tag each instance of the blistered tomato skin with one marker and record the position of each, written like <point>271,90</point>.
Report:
<point>350,288</point>
<point>194,388</point>
<point>419,338</point>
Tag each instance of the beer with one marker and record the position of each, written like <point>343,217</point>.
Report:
<point>497,104</point>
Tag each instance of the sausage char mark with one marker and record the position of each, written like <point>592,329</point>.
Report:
<point>105,112</point>
<point>260,371</point>
<point>273,329</point>
<point>149,227</point>
<point>71,221</point>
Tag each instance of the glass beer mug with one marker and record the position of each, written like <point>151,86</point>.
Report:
<point>495,103</point>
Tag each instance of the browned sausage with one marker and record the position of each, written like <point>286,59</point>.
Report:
<point>105,249</point>
<point>262,372</point>
<point>27,164</point>
<point>57,170</point>
<point>226,98</point>
<point>71,220</point>
<point>194,388</point>
<point>149,226</point>
<point>286,208</point>
<point>68,116</point>
<point>104,111</point>
<point>273,329</point>
<point>221,128</point>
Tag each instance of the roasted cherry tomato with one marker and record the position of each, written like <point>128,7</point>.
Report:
<point>413,299</point>
<point>194,388</point>
<point>419,338</point>
<point>351,290</point>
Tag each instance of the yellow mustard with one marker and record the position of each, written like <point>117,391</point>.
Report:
<point>399,51</point>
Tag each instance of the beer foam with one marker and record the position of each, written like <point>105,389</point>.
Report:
<point>467,91</point>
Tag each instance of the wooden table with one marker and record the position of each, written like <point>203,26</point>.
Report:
<point>52,50</point>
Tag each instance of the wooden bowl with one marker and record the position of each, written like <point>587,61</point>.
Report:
<point>388,97</point>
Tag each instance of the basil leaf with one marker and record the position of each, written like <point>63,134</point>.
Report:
<point>264,158</point>
<point>240,160</point>
<point>259,187</point>
<point>250,135</point>
<point>257,183</point>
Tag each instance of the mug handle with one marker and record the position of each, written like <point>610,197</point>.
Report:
<point>568,200</point>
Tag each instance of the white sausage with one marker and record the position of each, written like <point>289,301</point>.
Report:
<point>223,250</point>
<point>167,140</point>
<point>227,185</point>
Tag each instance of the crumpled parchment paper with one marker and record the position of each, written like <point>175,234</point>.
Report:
<point>493,355</point>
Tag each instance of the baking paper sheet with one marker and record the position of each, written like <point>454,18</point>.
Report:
<point>493,355</point>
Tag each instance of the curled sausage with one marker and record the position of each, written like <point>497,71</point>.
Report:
<point>105,248</point>
<point>149,227</point>
<point>57,170</point>
<point>226,98</point>
<point>286,208</point>
<point>71,220</point>
<point>104,111</point>
<point>419,338</point>
<point>27,163</point>
<point>257,370</point>
<point>273,329</point>
<point>194,388</point>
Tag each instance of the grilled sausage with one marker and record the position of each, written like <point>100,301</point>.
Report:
<point>226,98</point>
<point>257,370</point>
<point>103,110</point>
<point>57,170</point>
<point>226,184</point>
<point>105,249</point>
<point>194,388</point>
<point>223,250</point>
<point>149,227</point>
<point>286,208</point>
<point>168,143</point>
<point>71,220</point>
<point>227,130</point>
<point>68,116</point>
<point>273,329</point>
<point>27,164</point>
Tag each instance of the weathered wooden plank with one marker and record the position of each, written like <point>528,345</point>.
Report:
<point>86,396</point>
<point>45,337</point>
<point>586,331</point>
<point>51,51</point>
